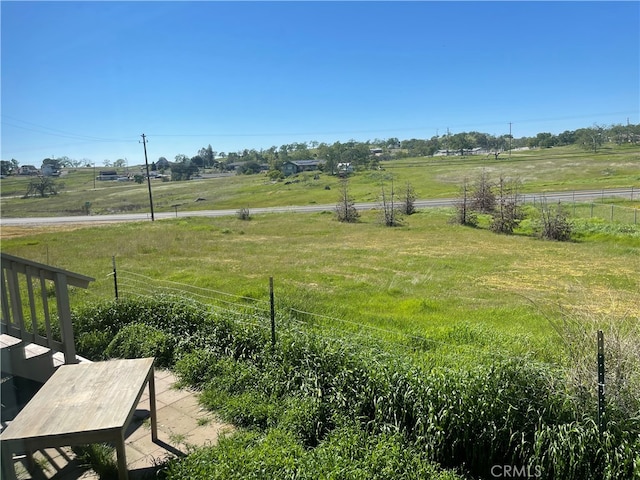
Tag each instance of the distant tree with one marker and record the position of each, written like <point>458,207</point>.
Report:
<point>331,156</point>
<point>460,142</point>
<point>53,163</point>
<point>208,155</point>
<point>590,138</point>
<point>8,167</point>
<point>543,140</point>
<point>65,161</point>
<point>508,212</point>
<point>390,214</point>
<point>198,161</point>
<point>120,163</point>
<point>162,164</point>
<point>408,200</point>
<point>464,213</point>
<point>183,169</point>
<point>345,209</point>
<point>567,137</point>
<point>483,200</point>
<point>42,186</point>
<point>249,167</point>
<point>106,162</point>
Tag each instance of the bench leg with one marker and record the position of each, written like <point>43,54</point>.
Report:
<point>152,406</point>
<point>123,473</point>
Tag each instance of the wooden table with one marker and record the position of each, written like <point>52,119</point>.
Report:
<point>82,404</point>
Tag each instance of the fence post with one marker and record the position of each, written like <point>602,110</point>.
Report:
<point>115,276</point>
<point>273,313</point>
<point>612,212</point>
<point>602,422</point>
<point>591,210</point>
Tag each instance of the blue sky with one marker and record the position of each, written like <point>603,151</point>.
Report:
<point>86,79</point>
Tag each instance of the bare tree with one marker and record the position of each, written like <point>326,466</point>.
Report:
<point>464,213</point>
<point>345,209</point>
<point>507,214</point>
<point>409,199</point>
<point>483,200</point>
<point>42,186</point>
<point>390,215</point>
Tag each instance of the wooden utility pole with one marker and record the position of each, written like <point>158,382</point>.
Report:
<point>146,162</point>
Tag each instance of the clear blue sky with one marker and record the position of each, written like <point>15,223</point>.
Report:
<point>86,79</point>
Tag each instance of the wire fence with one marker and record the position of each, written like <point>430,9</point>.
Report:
<point>256,313</point>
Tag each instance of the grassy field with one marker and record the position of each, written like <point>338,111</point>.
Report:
<point>428,278</point>
<point>427,329</point>
<point>565,168</point>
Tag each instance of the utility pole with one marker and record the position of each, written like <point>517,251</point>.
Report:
<point>146,162</point>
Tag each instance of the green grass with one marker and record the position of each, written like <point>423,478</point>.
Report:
<point>565,168</point>
<point>425,279</point>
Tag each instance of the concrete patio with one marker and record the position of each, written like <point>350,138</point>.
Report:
<point>182,423</point>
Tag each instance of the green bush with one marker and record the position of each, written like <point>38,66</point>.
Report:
<point>349,454</point>
<point>137,340</point>
<point>473,416</point>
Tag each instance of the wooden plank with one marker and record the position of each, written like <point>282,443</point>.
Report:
<point>8,341</point>
<point>75,279</point>
<point>32,303</point>
<point>45,307</point>
<point>64,316</point>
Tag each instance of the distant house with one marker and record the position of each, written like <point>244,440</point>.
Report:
<point>108,175</point>
<point>297,166</point>
<point>28,170</point>
<point>461,152</point>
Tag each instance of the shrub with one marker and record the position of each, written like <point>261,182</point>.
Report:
<point>554,223</point>
<point>243,214</point>
<point>137,340</point>
<point>300,391</point>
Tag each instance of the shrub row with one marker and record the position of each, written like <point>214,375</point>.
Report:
<point>472,417</point>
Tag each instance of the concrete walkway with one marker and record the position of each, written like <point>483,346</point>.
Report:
<point>182,424</point>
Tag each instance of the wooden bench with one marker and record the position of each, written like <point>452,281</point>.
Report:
<point>82,404</point>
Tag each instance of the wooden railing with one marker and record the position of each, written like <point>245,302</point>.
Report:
<point>26,311</point>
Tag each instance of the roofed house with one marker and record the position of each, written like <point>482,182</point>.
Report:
<point>296,166</point>
<point>28,170</point>
<point>108,175</point>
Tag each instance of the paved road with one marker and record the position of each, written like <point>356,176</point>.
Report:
<point>579,196</point>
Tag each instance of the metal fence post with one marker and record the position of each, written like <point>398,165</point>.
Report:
<point>115,276</point>
<point>273,312</point>
<point>602,421</point>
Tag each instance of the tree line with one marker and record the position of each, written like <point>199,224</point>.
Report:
<point>359,153</point>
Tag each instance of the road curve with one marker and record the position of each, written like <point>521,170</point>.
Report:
<point>579,196</point>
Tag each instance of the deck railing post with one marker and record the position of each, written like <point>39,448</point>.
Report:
<point>64,316</point>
